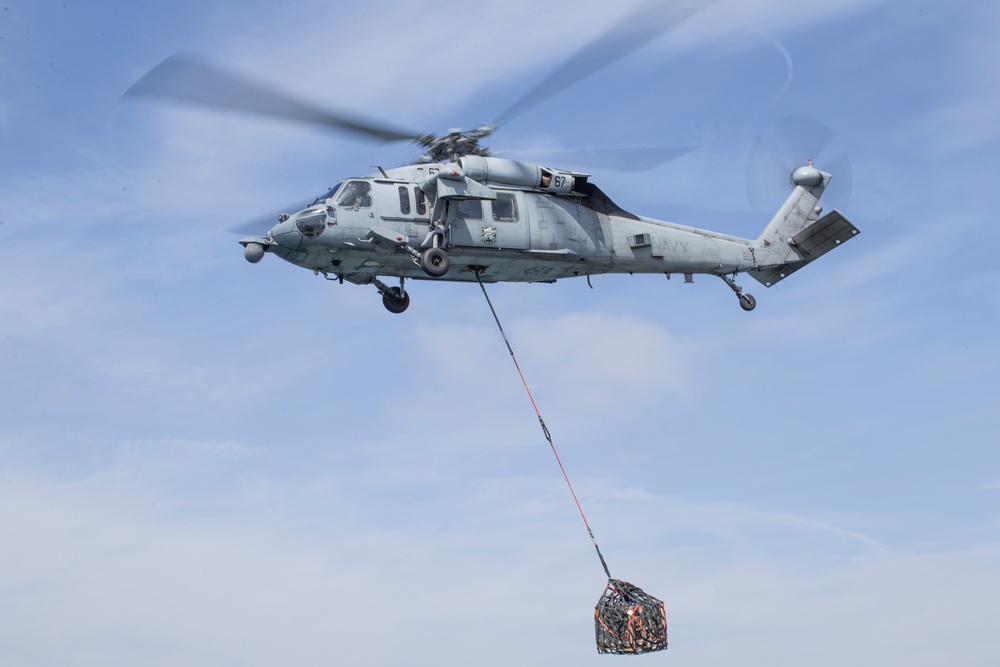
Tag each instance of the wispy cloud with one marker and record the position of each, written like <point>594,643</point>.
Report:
<point>241,591</point>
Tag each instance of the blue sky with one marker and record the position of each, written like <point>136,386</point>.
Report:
<point>204,461</point>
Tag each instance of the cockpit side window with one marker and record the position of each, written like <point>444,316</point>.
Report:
<point>355,194</point>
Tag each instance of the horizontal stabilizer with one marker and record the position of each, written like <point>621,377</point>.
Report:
<point>823,235</point>
<point>811,243</point>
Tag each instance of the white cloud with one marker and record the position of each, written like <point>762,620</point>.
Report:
<point>607,360</point>
<point>102,574</point>
<point>965,120</point>
<point>574,364</point>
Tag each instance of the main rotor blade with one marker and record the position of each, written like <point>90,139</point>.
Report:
<point>649,20</point>
<point>185,78</point>
<point>631,159</point>
<point>259,225</point>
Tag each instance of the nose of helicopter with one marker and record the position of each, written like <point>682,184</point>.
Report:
<point>286,234</point>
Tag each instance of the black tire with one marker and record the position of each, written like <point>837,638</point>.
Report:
<point>747,302</point>
<point>395,300</point>
<point>435,262</point>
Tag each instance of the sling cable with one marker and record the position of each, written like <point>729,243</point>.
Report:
<point>627,620</point>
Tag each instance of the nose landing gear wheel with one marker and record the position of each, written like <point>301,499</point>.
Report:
<point>435,262</point>
<point>395,300</point>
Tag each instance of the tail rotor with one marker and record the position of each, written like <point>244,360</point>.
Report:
<point>789,144</point>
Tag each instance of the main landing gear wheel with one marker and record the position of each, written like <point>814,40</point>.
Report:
<point>435,262</point>
<point>395,300</point>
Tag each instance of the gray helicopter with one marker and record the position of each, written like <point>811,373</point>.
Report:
<point>459,213</point>
<point>492,219</point>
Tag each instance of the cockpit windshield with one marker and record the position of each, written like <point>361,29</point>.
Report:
<point>328,195</point>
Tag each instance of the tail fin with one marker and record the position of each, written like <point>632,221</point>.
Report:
<point>796,234</point>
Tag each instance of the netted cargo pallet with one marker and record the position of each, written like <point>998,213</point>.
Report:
<point>629,621</point>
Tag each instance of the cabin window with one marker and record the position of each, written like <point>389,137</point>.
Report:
<point>355,194</point>
<point>404,200</point>
<point>470,209</point>
<point>505,207</point>
<point>421,201</point>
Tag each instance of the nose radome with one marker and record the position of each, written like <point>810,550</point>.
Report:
<point>286,234</point>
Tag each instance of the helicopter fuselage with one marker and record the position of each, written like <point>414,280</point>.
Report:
<point>495,220</point>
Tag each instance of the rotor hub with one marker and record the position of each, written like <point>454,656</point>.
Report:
<point>808,176</point>
<point>455,144</point>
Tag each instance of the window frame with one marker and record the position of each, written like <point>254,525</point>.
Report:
<point>514,214</point>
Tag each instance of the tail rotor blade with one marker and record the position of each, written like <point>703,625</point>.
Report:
<point>789,143</point>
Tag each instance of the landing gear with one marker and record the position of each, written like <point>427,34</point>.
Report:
<point>435,262</point>
<point>747,302</point>
<point>395,299</point>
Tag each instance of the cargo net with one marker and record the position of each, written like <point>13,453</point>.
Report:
<point>628,620</point>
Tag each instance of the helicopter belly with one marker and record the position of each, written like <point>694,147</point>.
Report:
<point>497,265</point>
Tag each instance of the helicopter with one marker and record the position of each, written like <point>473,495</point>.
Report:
<point>460,213</point>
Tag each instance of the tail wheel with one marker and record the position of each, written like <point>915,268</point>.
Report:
<point>435,262</point>
<point>395,300</point>
<point>747,302</point>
